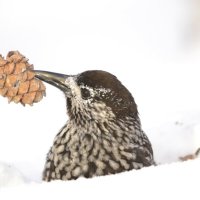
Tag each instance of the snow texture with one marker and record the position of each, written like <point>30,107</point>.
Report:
<point>153,47</point>
<point>10,176</point>
<point>174,181</point>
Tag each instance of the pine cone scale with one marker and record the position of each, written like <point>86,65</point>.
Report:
<point>3,91</point>
<point>2,81</point>
<point>12,92</point>
<point>23,88</point>
<point>9,68</point>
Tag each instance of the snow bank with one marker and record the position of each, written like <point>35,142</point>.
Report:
<point>178,136</point>
<point>10,176</point>
<point>169,181</point>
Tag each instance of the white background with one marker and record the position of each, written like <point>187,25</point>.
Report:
<point>151,46</point>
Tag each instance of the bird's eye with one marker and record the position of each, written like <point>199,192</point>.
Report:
<point>85,93</point>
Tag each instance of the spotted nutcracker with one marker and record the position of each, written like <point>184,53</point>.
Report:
<point>103,134</point>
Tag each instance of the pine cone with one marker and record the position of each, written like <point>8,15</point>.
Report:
<point>17,80</point>
<point>191,156</point>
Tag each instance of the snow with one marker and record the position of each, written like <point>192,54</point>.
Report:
<point>180,136</point>
<point>162,182</point>
<point>153,47</point>
<point>10,176</point>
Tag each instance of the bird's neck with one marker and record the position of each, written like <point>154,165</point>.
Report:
<point>99,116</point>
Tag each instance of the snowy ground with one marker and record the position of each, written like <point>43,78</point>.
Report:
<point>174,181</point>
<point>153,47</point>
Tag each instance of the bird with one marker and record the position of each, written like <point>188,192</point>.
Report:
<point>103,134</point>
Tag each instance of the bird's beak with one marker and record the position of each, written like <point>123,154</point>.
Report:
<point>55,79</point>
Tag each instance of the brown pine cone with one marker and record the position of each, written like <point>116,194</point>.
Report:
<point>191,156</point>
<point>17,80</point>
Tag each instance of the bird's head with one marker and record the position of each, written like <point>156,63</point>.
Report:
<point>93,95</point>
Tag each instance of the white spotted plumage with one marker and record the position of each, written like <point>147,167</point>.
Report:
<point>103,134</point>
